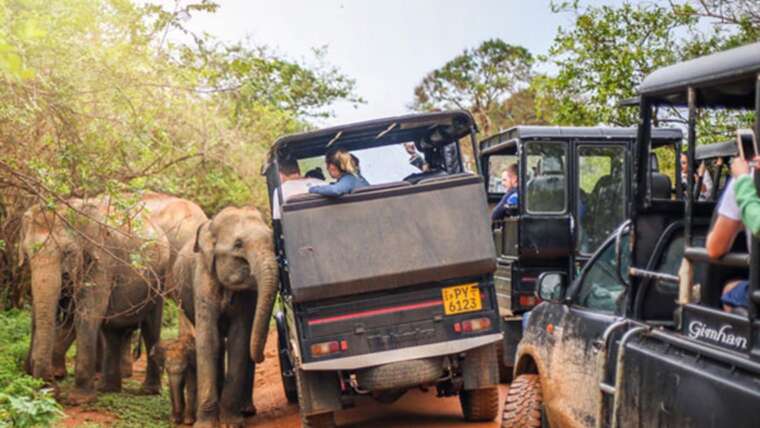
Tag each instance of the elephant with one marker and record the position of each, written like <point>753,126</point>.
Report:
<point>120,293</point>
<point>47,239</point>
<point>57,262</point>
<point>229,270</point>
<point>178,358</point>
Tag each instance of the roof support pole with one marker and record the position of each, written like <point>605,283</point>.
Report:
<point>692,141</point>
<point>754,265</point>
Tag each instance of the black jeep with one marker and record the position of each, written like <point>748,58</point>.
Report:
<point>389,287</point>
<point>575,183</point>
<point>639,338</point>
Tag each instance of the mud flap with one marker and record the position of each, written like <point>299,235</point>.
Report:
<point>318,392</point>
<point>479,368</point>
<point>512,334</point>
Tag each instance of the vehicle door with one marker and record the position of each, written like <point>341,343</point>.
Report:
<point>601,194</point>
<point>596,301</point>
<point>544,232</point>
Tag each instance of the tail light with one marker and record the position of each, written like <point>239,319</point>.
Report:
<point>528,300</point>
<point>327,348</point>
<point>473,325</point>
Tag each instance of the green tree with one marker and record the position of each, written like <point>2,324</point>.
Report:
<point>480,80</point>
<point>602,58</point>
<point>98,97</point>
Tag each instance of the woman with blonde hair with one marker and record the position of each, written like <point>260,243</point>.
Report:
<point>342,166</point>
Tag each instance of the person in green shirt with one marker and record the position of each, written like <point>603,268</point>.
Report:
<point>746,194</point>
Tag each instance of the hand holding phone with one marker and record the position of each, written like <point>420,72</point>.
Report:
<point>746,142</point>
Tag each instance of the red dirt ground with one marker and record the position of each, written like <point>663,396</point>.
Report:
<point>416,409</point>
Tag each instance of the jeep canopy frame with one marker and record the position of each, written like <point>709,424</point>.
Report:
<point>725,80</point>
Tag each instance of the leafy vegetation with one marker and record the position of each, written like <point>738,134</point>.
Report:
<point>23,400</point>
<point>99,96</point>
<point>490,80</point>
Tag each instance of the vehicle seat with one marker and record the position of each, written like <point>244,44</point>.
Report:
<point>546,193</point>
<point>603,210</point>
<point>661,186</point>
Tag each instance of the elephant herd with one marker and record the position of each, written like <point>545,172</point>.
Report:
<point>101,269</point>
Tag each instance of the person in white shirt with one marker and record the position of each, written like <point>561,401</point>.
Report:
<point>291,183</point>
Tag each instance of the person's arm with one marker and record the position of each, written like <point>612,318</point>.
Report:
<point>500,209</point>
<point>721,236</point>
<point>340,188</point>
<point>749,203</point>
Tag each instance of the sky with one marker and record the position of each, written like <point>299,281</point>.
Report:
<point>387,46</point>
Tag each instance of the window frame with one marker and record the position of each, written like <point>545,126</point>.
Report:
<point>623,146</point>
<point>578,286</point>
<point>523,182</point>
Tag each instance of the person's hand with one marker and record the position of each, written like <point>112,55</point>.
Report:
<point>739,167</point>
<point>701,169</point>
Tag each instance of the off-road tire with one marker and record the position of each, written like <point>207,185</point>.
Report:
<point>321,420</point>
<point>522,408</point>
<point>288,382</point>
<point>480,405</point>
<point>400,375</point>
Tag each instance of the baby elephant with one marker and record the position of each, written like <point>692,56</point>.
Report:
<point>178,357</point>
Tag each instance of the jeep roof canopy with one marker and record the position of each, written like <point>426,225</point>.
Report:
<point>436,127</point>
<point>507,138</point>
<point>724,79</point>
<point>727,149</point>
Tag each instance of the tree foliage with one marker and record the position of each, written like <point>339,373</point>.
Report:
<point>481,80</point>
<point>98,97</point>
<point>603,57</point>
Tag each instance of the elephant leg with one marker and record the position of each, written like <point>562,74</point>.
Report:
<point>92,307</point>
<point>238,370</point>
<point>191,393</point>
<point>64,338</point>
<point>28,360</point>
<point>100,353</point>
<point>249,409</point>
<point>111,374</point>
<point>126,356</point>
<point>208,351</point>
<point>151,332</point>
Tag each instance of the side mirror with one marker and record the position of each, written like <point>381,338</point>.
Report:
<point>551,286</point>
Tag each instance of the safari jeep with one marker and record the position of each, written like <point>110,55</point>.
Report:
<point>389,287</point>
<point>574,187</point>
<point>640,337</point>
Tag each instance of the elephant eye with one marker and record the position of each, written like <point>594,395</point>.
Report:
<point>238,244</point>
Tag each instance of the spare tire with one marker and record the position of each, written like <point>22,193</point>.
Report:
<point>400,375</point>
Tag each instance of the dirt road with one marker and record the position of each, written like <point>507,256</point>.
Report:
<point>415,409</point>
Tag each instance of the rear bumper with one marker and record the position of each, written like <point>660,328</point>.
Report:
<point>403,354</point>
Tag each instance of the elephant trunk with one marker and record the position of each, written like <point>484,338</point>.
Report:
<point>265,272</point>
<point>46,292</point>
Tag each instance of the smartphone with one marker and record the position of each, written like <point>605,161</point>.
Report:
<point>747,144</point>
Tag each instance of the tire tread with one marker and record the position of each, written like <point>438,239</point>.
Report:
<point>522,408</point>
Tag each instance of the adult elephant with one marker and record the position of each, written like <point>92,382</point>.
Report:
<point>111,277</point>
<point>228,271</point>
<point>120,292</point>
<point>50,243</point>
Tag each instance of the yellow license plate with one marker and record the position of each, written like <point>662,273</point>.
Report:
<point>461,298</point>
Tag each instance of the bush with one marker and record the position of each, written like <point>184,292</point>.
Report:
<point>23,400</point>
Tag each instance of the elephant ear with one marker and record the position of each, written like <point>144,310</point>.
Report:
<point>204,244</point>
